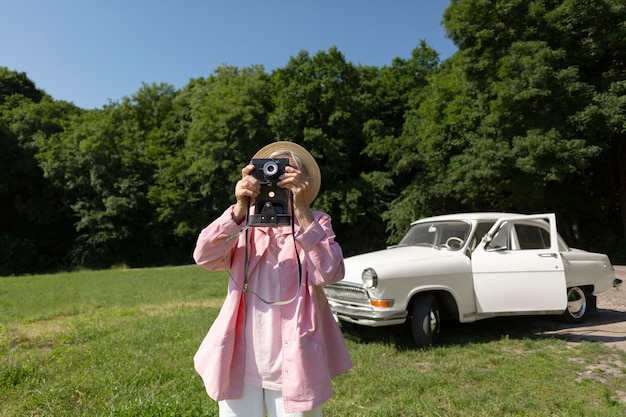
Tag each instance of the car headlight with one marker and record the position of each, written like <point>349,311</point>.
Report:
<point>369,277</point>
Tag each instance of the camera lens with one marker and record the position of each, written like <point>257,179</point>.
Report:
<point>270,168</point>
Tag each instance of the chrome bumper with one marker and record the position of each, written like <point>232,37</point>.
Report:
<point>367,317</point>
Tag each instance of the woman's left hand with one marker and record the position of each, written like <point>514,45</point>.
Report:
<point>295,180</point>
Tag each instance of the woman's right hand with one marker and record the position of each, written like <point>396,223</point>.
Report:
<point>246,190</point>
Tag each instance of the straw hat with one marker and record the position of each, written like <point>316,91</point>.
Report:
<point>309,165</point>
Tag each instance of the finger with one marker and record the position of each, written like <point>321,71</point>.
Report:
<point>291,180</point>
<point>248,187</point>
<point>247,170</point>
<point>292,169</point>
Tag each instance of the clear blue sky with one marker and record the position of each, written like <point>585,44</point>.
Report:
<point>92,51</point>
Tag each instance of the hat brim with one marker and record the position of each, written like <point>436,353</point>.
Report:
<point>310,164</point>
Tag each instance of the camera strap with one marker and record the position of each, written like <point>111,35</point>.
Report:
<point>246,276</point>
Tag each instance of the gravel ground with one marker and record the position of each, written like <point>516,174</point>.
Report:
<point>615,299</point>
<point>608,325</point>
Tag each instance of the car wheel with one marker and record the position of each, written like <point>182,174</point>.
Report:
<point>426,320</point>
<point>579,305</point>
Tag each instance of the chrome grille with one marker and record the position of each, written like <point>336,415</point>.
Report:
<point>347,293</point>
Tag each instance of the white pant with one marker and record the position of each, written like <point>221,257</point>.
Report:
<point>255,402</point>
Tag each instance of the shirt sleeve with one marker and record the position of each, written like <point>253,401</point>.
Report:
<point>216,240</point>
<point>323,255</point>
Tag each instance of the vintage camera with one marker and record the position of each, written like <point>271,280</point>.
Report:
<point>271,206</point>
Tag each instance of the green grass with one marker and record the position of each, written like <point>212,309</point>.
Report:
<point>121,343</point>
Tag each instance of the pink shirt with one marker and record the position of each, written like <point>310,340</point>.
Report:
<point>276,280</point>
<point>297,347</point>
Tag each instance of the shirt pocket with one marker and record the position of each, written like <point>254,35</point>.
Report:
<point>311,345</point>
<point>313,367</point>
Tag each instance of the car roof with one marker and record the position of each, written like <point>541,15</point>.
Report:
<point>467,216</point>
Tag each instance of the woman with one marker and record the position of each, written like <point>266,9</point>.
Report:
<point>274,346</point>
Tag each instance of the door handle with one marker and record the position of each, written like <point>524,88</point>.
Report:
<point>548,255</point>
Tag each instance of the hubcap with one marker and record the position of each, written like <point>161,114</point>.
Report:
<point>576,302</point>
<point>434,322</point>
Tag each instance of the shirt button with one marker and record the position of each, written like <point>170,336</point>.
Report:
<point>282,263</point>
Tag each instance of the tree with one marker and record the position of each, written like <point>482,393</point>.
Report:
<point>321,102</point>
<point>393,143</point>
<point>14,83</point>
<point>103,160</point>
<point>529,115</point>
<point>526,124</point>
<point>35,226</point>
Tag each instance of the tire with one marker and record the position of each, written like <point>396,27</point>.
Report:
<point>425,320</point>
<point>579,305</point>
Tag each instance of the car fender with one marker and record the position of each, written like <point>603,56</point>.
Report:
<point>451,302</point>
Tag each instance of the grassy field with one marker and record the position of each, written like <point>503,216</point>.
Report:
<point>121,343</point>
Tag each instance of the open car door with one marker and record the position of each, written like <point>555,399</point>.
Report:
<point>517,268</point>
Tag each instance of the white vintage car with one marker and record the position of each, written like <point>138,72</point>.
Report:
<point>469,267</point>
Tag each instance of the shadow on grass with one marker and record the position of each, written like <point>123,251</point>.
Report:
<point>605,326</point>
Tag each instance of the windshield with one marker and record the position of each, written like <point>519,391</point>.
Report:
<point>448,235</point>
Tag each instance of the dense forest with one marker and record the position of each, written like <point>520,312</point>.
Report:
<point>529,115</point>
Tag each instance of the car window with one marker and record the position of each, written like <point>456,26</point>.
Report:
<point>500,240</point>
<point>450,235</point>
<point>522,236</point>
<point>532,237</point>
